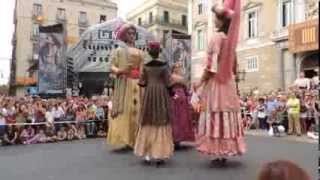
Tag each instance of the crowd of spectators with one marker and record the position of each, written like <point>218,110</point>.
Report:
<point>294,111</point>
<point>30,120</point>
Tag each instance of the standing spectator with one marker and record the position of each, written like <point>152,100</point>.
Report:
<point>303,114</point>
<point>49,116</point>
<point>293,105</point>
<point>10,136</point>
<point>310,105</point>
<point>4,111</point>
<point>11,114</point>
<point>91,126</point>
<point>30,114</point>
<point>40,112</point>
<point>70,114</point>
<point>315,80</point>
<point>302,82</point>
<point>2,125</point>
<point>272,105</point>
<point>20,116</point>
<point>316,109</point>
<point>100,112</point>
<point>262,114</point>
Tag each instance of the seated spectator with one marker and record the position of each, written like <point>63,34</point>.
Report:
<point>51,134</point>
<point>282,170</point>
<point>82,132</point>
<point>76,132</point>
<point>71,132</point>
<point>62,134</point>
<point>101,131</point>
<point>40,137</point>
<point>10,136</point>
<point>27,133</point>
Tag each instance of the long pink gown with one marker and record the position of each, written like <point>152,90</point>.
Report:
<point>220,131</point>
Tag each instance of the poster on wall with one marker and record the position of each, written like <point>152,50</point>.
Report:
<point>178,49</point>
<point>51,76</point>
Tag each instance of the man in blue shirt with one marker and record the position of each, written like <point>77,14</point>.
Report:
<point>272,105</point>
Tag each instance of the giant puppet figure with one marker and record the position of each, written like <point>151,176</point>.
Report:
<point>126,62</point>
<point>220,132</point>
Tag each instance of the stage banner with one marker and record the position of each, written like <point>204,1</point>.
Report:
<point>51,76</point>
<point>93,51</point>
<point>178,49</point>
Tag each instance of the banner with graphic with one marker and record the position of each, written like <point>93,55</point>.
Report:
<point>51,76</point>
<point>178,49</point>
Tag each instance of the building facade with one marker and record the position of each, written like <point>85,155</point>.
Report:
<point>271,59</point>
<point>75,15</point>
<point>256,51</point>
<point>201,29</point>
<point>303,40</point>
<point>264,49</point>
<point>161,17</point>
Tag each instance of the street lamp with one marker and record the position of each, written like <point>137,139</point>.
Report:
<point>240,76</point>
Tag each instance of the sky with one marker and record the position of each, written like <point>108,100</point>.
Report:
<point>6,21</point>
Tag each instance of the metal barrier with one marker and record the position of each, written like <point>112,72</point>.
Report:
<point>55,122</point>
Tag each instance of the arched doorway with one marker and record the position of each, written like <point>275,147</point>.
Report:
<point>310,65</point>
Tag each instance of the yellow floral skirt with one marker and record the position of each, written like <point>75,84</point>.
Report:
<point>123,129</point>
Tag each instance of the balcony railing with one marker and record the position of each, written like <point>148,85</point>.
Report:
<point>160,21</point>
<point>61,18</point>
<point>280,34</point>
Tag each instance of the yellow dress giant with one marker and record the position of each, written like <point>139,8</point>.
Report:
<point>123,124</point>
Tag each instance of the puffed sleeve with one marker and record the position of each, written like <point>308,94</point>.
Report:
<point>213,52</point>
<point>115,57</point>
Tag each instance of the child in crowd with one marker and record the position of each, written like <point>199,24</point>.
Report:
<point>51,134</point>
<point>10,136</point>
<point>278,121</point>
<point>72,132</point>
<point>82,132</point>
<point>101,131</point>
<point>27,133</point>
<point>62,134</point>
<point>40,137</point>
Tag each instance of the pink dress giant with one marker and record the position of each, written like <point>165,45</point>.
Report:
<point>220,131</point>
